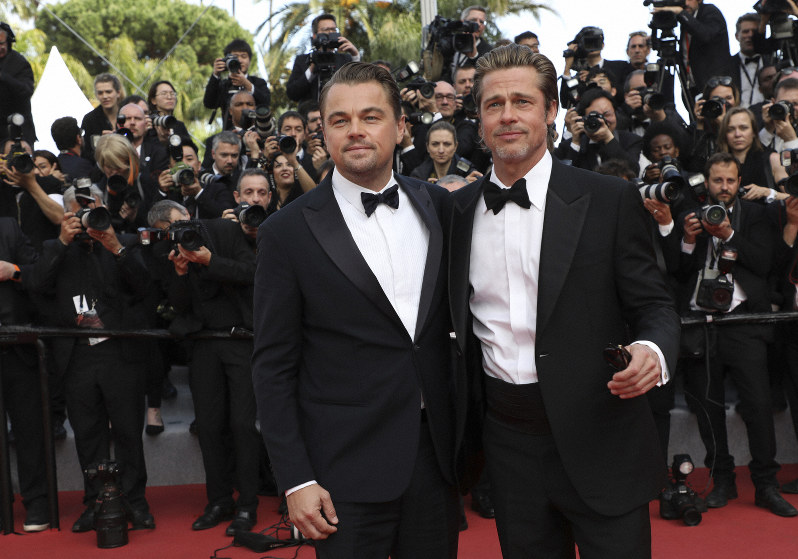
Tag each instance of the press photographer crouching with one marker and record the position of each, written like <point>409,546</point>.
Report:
<point>724,253</point>
<point>210,286</point>
<point>201,195</point>
<point>594,137</point>
<point>98,280</point>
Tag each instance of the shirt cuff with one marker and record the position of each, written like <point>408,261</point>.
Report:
<point>308,74</point>
<point>688,248</point>
<point>665,375</point>
<point>792,144</point>
<point>667,229</point>
<point>302,486</point>
<point>408,149</point>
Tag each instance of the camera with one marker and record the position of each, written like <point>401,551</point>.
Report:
<point>96,218</point>
<point>714,214</point>
<point>671,183</point>
<point>250,215</point>
<point>265,124</point>
<point>715,294</point>
<point>287,144</point>
<point>110,510</point>
<point>425,88</point>
<point>326,41</point>
<point>678,500</point>
<point>186,233</point>
<point>713,108</point>
<point>470,105</point>
<point>232,63</point>
<point>789,184</point>
<point>420,118</point>
<point>408,71</point>
<point>664,20</point>
<point>17,157</point>
<point>182,174</point>
<point>781,110</point>
<point>450,36</point>
<point>164,121</point>
<point>772,7</point>
<point>588,40</point>
<point>593,121</point>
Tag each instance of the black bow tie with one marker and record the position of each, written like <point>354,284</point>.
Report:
<point>752,59</point>
<point>390,198</point>
<point>496,197</point>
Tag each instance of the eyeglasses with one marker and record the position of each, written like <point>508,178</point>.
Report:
<point>328,30</point>
<point>441,97</point>
<point>715,81</point>
<point>167,94</point>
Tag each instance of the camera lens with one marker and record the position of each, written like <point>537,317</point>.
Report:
<point>287,144</point>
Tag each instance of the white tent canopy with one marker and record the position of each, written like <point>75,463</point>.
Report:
<point>56,95</point>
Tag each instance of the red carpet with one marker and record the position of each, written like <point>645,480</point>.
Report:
<point>738,531</point>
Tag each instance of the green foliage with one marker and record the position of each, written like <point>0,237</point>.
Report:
<point>152,25</point>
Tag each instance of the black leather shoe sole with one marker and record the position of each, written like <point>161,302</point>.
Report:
<point>776,504</point>
<point>242,523</point>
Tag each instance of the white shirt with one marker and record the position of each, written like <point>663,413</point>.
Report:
<point>749,92</point>
<point>504,278</point>
<point>394,244</point>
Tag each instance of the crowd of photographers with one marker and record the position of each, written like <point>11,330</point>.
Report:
<point>129,228</point>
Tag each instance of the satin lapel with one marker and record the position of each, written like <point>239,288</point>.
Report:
<point>566,208</point>
<point>422,202</point>
<point>326,223</point>
<point>464,206</point>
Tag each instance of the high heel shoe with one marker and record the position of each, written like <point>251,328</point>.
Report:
<point>154,422</point>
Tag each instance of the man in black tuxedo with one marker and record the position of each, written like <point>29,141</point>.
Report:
<point>704,41</point>
<point>306,79</point>
<point>16,85</point>
<point>701,247</point>
<point>351,362</point>
<point>535,302</point>
<point>745,65</point>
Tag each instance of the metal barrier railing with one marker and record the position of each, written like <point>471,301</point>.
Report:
<point>33,335</point>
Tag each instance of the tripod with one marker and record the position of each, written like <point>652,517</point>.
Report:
<point>670,60</point>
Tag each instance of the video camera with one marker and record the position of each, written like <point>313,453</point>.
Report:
<point>664,20</point>
<point>589,40</point>
<point>182,173</point>
<point>111,509</point>
<point>679,501</point>
<point>17,157</point>
<point>781,46</point>
<point>323,55</point>
<point>450,36</point>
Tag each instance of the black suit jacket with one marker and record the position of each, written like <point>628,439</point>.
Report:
<point>16,88</point>
<point>625,146</point>
<point>598,284</point>
<point>298,87</point>
<point>338,380</point>
<point>217,95</point>
<point>709,44</point>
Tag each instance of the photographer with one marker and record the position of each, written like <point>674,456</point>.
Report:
<point>779,133</point>
<point>16,84</point>
<point>241,106</point>
<point>747,63</point>
<point>162,100</point>
<point>309,73</point>
<point>225,158</point>
<point>181,182</point>
<point>68,139</point>
<point>153,157</point>
<point>293,124</point>
<point>640,114</point>
<point>253,190</point>
<point>98,280</point>
<point>472,14</point>
<point>584,53</point>
<point>528,39</point>
<point>704,40</point>
<point>213,283</point>
<point>594,137</point>
<point>35,202</point>
<point>236,61</point>
<point>441,157</point>
<point>719,96</point>
<point>102,119</point>
<point>724,258</point>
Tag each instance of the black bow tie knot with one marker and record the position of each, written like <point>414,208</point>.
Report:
<point>755,59</point>
<point>496,197</point>
<point>390,197</point>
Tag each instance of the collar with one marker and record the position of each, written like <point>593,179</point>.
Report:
<point>537,183</point>
<point>351,191</point>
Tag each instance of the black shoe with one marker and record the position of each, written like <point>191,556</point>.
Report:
<point>142,520</point>
<point>769,498</point>
<point>791,487</point>
<point>481,503</point>
<point>168,391</point>
<point>153,428</point>
<point>192,428</point>
<point>36,517</point>
<point>59,431</point>
<point>85,522</point>
<point>212,516</point>
<point>720,494</point>
<point>243,522</point>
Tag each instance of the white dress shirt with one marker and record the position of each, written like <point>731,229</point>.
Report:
<point>504,271</point>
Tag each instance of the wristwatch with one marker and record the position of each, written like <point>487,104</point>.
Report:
<point>17,275</point>
<point>120,253</point>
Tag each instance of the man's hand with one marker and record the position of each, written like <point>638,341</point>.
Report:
<point>7,270</point>
<point>642,374</point>
<point>305,508</point>
<point>165,181</point>
<point>660,211</point>
<point>251,141</point>
<point>180,262</point>
<point>238,79</point>
<point>219,66</point>
<point>191,189</point>
<point>271,148</point>
<point>200,256</point>
<point>784,130</point>
<point>673,9</point>
<point>633,99</point>
<point>473,176</point>
<point>755,192</point>
<point>602,135</point>
<point>70,226</point>
<point>692,228</point>
<point>319,157</point>
<point>345,45</point>
<point>25,180</point>
<point>652,173</point>
<point>107,238</point>
<point>722,231</point>
<point>230,214</point>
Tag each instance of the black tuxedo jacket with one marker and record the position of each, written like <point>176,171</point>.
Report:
<point>625,146</point>
<point>16,88</point>
<point>338,380</point>
<point>709,44</point>
<point>298,87</point>
<point>598,284</point>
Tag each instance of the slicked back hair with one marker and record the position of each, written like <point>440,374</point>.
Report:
<point>354,73</point>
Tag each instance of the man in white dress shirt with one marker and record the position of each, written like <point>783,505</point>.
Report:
<point>352,358</point>
<point>544,274</point>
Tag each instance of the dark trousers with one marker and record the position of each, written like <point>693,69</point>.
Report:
<point>538,511</point>
<point>100,388</point>
<point>740,352</point>
<point>22,400</point>
<point>422,523</point>
<point>224,404</point>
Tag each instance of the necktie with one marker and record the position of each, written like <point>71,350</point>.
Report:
<point>496,197</point>
<point>754,59</point>
<point>390,198</point>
